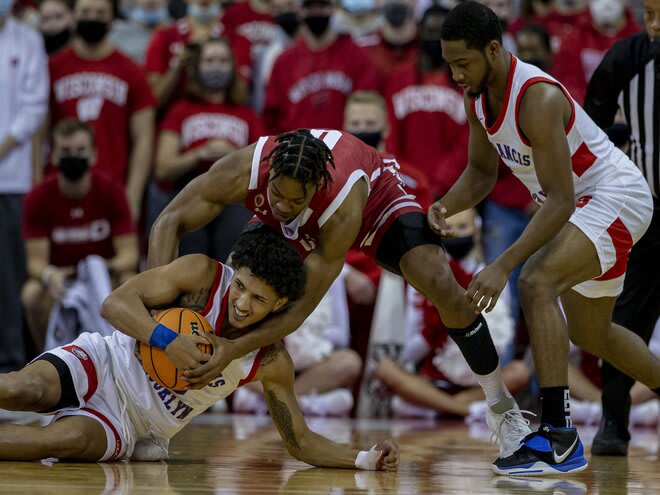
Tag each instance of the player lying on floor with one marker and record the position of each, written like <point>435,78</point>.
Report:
<point>105,405</point>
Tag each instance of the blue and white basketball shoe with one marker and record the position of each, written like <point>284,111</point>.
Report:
<point>546,451</point>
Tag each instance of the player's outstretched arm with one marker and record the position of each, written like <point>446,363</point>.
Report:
<point>475,182</point>
<point>322,267</point>
<point>276,374</point>
<point>198,203</point>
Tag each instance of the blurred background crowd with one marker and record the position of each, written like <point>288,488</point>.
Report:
<point>108,109</point>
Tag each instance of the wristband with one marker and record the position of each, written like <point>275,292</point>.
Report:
<point>162,337</point>
<point>368,460</point>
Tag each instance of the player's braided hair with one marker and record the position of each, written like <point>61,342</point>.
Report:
<point>302,157</point>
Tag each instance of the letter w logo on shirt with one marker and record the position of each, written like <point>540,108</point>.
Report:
<point>89,109</point>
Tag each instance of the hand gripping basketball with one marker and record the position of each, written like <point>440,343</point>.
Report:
<point>166,359</point>
<point>383,456</point>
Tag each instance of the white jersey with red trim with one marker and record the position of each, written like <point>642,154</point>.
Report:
<point>594,159</point>
<point>164,412</point>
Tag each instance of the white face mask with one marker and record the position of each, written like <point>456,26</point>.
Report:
<point>606,12</point>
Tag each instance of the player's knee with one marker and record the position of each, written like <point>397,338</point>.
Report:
<point>534,285</point>
<point>24,391</point>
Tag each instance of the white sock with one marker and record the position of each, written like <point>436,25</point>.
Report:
<point>493,387</point>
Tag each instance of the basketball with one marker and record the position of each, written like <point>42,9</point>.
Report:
<point>156,362</point>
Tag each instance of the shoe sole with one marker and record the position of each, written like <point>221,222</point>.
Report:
<point>541,468</point>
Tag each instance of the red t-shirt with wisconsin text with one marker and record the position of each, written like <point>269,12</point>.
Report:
<point>257,27</point>
<point>309,88</point>
<point>105,93</point>
<point>77,228</point>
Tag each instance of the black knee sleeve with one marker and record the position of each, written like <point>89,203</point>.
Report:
<point>68,397</point>
<point>477,346</point>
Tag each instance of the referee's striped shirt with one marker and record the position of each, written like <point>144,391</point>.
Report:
<point>628,78</point>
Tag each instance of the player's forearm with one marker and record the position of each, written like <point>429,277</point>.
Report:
<point>469,190</point>
<point>322,452</point>
<point>125,311</point>
<point>544,225</point>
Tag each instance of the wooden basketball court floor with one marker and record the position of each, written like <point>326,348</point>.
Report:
<point>236,454</point>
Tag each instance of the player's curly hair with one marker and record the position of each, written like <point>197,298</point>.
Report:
<point>302,157</point>
<point>473,23</point>
<point>270,258</point>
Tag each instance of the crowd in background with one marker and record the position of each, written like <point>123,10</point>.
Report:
<point>107,110</point>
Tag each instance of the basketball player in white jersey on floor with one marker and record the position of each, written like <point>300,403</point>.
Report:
<point>105,405</point>
<point>594,205</point>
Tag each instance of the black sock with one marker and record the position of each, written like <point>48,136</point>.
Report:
<point>477,346</point>
<point>555,407</point>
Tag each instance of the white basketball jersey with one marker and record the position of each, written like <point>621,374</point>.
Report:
<point>594,159</point>
<point>164,412</point>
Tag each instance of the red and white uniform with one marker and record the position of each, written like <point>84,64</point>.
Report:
<point>428,125</point>
<point>104,93</point>
<point>614,205</point>
<point>77,228</point>
<point>309,88</point>
<point>354,161</point>
<point>114,389</point>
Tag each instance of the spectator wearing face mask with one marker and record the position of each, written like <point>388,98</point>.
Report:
<point>171,50</point>
<point>286,17</point>
<point>504,12</point>
<point>396,43</point>
<point>132,35</point>
<point>311,80</point>
<point>56,24</point>
<point>431,376</point>
<point>561,18</point>
<point>428,125</point>
<point>582,50</point>
<point>198,130</point>
<point>94,82</point>
<point>357,18</point>
<point>72,214</point>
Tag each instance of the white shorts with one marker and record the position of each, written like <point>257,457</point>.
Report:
<point>90,365</point>
<point>614,216</point>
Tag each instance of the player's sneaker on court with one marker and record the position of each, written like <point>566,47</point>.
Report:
<point>507,425</point>
<point>612,437</point>
<point>338,402</point>
<point>516,484</point>
<point>546,451</point>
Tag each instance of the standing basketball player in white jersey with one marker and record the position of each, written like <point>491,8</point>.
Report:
<point>594,205</point>
<point>106,407</point>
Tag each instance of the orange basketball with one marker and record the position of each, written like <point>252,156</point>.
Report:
<point>156,362</point>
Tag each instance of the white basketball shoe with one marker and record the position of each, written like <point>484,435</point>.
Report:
<point>507,425</point>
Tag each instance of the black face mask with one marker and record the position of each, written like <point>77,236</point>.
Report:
<point>433,50</point>
<point>370,138</point>
<point>92,31</point>
<point>288,21</point>
<point>396,13</point>
<point>458,247</point>
<point>317,24</point>
<point>73,167</point>
<point>54,42</point>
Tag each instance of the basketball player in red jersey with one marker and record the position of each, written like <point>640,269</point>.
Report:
<point>107,408</point>
<point>326,191</point>
<point>594,205</point>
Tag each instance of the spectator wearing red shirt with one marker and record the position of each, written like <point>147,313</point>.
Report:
<point>254,21</point>
<point>396,44</point>
<point>561,19</point>
<point>70,215</point>
<point>428,125</point>
<point>171,50</point>
<point>311,80</point>
<point>197,131</point>
<point>585,46</point>
<point>94,82</point>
